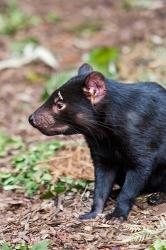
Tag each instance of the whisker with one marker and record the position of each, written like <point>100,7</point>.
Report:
<point>81,130</point>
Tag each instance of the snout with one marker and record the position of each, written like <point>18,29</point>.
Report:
<point>42,121</point>
<point>32,120</point>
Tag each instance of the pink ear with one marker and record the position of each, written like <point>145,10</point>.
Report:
<point>94,87</point>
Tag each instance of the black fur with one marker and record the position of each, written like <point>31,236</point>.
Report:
<point>126,134</point>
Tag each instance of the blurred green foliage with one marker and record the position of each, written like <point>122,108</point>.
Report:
<point>18,47</point>
<point>53,17</point>
<point>55,81</point>
<point>42,245</point>
<point>14,19</point>
<point>27,173</point>
<point>135,4</point>
<point>36,77</point>
<point>104,60</point>
<point>86,27</point>
<point>66,184</point>
<point>8,143</point>
<point>158,245</point>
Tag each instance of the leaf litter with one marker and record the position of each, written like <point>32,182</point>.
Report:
<point>31,220</point>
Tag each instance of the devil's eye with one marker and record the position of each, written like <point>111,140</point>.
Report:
<point>60,105</point>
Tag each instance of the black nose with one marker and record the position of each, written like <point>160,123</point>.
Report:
<point>32,120</point>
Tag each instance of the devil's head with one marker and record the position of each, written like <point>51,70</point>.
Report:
<point>72,108</point>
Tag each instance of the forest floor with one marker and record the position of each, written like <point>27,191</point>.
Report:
<point>70,29</point>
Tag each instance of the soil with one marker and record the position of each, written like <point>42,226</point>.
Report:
<point>140,34</point>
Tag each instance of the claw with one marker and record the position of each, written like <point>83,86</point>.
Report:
<point>116,214</point>
<point>156,199</point>
<point>113,218</point>
<point>87,216</point>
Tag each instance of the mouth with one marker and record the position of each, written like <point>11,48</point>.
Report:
<point>54,129</point>
<point>62,128</point>
<point>59,130</point>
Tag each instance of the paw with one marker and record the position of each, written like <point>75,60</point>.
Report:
<point>87,216</point>
<point>116,214</point>
<point>114,194</point>
<point>156,199</point>
<point>153,199</point>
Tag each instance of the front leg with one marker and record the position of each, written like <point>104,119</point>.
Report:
<point>104,180</point>
<point>134,182</point>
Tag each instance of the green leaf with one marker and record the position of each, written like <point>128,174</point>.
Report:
<point>9,187</point>
<point>67,180</point>
<point>80,183</point>
<point>6,246</point>
<point>28,176</point>
<point>15,19</point>
<point>66,184</point>
<point>9,143</point>
<point>4,175</point>
<point>47,195</point>
<point>46,177</point>
<point>43,245</point>
<point>158,245</point>
<point>104,60</point>
<point>59,187</point>
<point>27,173</point>
<point>55,81</point>
<point>21,247</point>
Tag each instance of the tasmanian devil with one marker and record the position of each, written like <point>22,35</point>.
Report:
<point>124,126</point>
